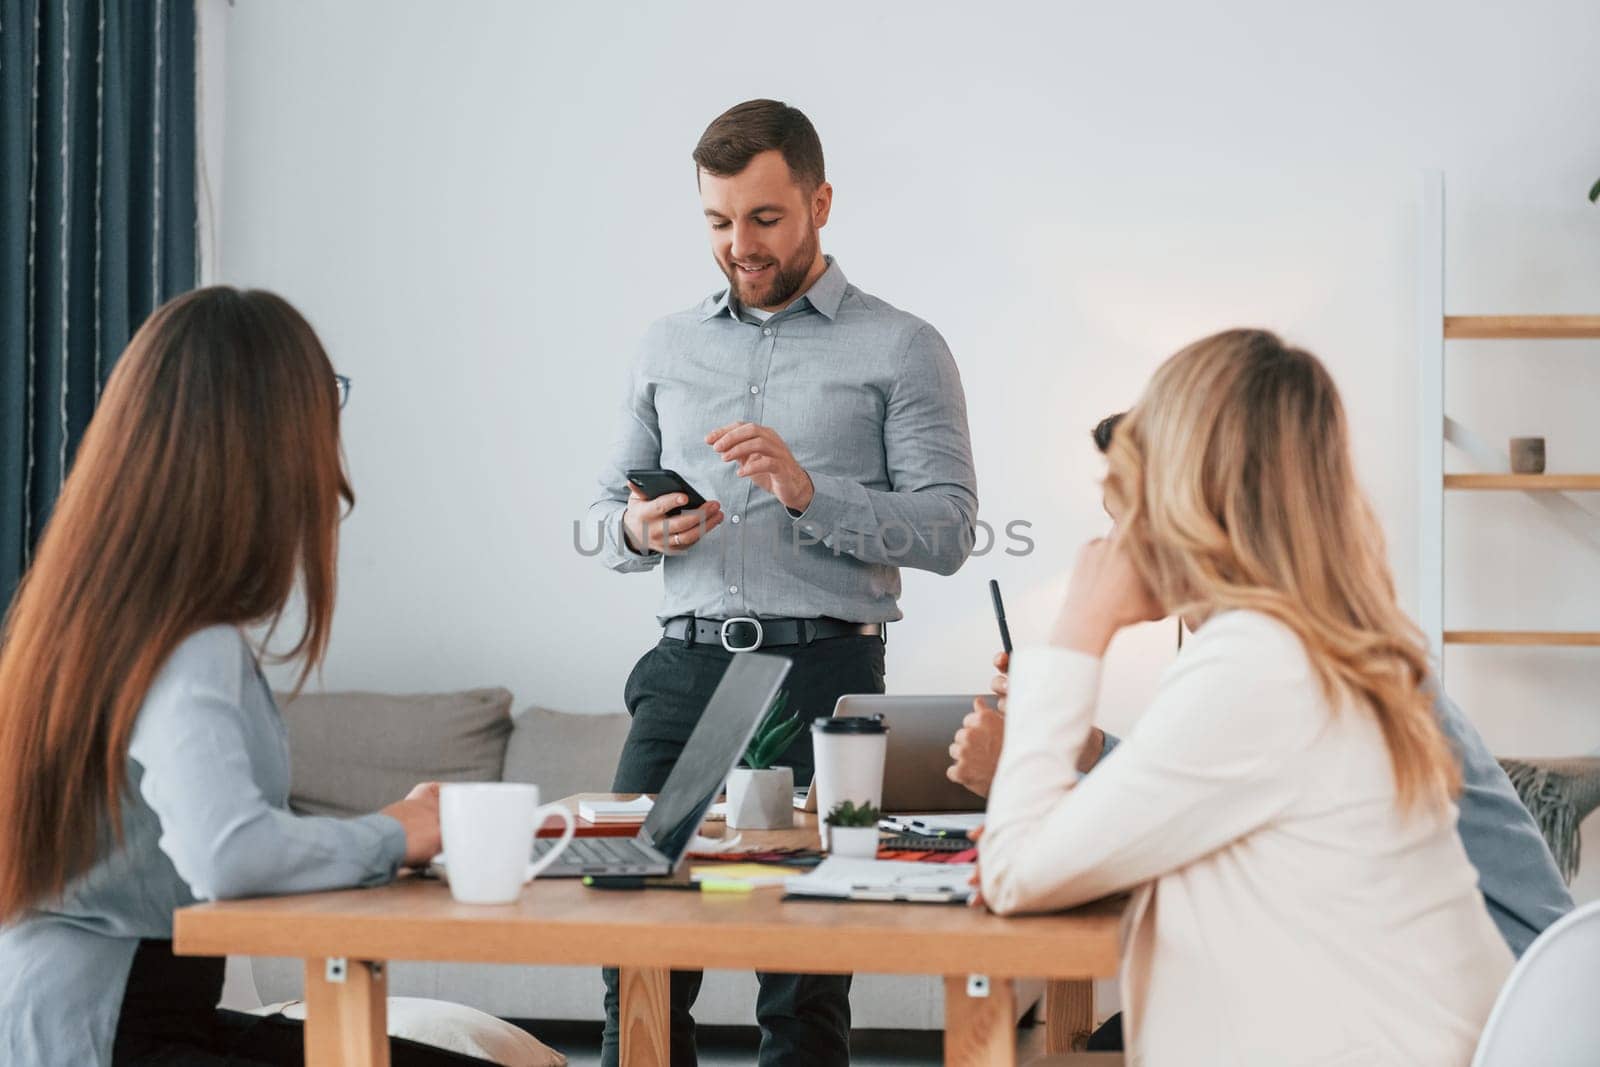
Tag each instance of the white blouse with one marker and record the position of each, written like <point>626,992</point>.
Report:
<point>1285,911</point>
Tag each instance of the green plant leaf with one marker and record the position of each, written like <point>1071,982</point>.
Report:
<point>847,814</point>
<point>1594,192</point>
<point>774,736</point>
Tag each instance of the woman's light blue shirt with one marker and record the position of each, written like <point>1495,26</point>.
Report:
<point>206,817</point>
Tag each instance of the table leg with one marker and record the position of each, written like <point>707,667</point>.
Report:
<point>644,1017</point>
<point>980,1022</point>
<point>1068,1014</point>
<point>346,1013</point>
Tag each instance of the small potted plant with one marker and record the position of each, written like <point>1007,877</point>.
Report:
<point>761,796</point>
<point>853,831</point>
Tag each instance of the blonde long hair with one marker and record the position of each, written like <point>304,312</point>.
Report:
<point>1234,487</point>
<point>207,485</point>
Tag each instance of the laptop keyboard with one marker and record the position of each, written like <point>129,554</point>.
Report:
<point>589,852</point>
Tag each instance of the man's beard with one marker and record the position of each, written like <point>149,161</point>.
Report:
<point>786,281</point>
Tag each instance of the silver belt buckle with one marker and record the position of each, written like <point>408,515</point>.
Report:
<point>753,621</point>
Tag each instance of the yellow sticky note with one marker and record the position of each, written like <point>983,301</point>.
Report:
<point>754,873</point>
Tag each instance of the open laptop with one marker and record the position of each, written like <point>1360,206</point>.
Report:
<point>718,740</point>
<point>920,731</point>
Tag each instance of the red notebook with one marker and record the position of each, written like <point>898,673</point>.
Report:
<point>589,829</point>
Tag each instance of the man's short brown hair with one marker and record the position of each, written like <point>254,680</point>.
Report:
<point>745,130</point>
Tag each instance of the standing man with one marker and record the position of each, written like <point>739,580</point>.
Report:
<point>828,432</point>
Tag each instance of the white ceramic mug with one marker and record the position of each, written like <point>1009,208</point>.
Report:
<point>488,830</point>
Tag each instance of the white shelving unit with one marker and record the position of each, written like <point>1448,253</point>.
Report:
<point>1435,329</point>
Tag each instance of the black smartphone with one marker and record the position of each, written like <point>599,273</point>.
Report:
<point>659,481</point>
<point>1000,615</point>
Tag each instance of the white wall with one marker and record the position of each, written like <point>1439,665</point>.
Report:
<point>480,206</point>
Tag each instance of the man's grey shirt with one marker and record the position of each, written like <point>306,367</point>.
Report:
<point>1521,886</point>
<point>869,401</point>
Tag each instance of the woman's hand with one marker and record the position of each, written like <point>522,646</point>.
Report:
<point>418,814</point>
<point>1105,594</point>
<point>976,881</point>
<point>975,750</point>
<point>1000,684</point>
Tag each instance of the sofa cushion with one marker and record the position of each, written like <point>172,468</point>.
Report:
<point>353,753</point>
<point>564,754</point>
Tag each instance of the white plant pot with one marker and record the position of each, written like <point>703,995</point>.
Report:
<point>858,842</point>
<point>761,800</point>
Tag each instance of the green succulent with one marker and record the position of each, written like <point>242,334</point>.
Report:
<point>846,814</point>
<point>774,736</point>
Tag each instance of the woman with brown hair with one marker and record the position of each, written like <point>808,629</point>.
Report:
<point>143,763</point>
<point>1283,811</point>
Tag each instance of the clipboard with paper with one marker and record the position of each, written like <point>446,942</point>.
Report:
<point>844,878</point>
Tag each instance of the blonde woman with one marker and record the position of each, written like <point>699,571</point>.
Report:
<point>1283,811</point>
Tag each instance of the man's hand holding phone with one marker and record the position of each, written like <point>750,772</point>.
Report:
<point>648,527</point>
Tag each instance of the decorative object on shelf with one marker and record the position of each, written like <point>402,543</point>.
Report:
<point>852,830</point>
<point>1527,455</point>
<point>1560,793</point>
<point>761,796</point>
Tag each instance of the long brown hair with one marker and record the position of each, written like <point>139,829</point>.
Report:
<point>1233,484</point>
<point>208,481</point>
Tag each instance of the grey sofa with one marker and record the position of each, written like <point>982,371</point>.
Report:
<point>355,752</point>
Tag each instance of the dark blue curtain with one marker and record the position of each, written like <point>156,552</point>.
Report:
<point>97,222</point>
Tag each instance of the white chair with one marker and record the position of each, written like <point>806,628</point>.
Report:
<point>1548,1012</point>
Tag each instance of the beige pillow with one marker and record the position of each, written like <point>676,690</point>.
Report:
<point>452,1027</point>
<point>353,753</point>
<point>564,754</point>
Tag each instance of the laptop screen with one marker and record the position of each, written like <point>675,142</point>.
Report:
<point>715,746</point>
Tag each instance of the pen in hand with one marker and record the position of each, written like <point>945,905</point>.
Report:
<point>1000,615</point>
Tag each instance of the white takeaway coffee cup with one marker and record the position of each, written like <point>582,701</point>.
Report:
<point>488,830</point>
<point>849,755</point>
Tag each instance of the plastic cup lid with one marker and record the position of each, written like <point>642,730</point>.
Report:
<point>850,724</point>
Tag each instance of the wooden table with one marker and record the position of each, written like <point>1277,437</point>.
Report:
<point>346,937</point>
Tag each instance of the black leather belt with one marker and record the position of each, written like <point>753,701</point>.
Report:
<point>746,633</point>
